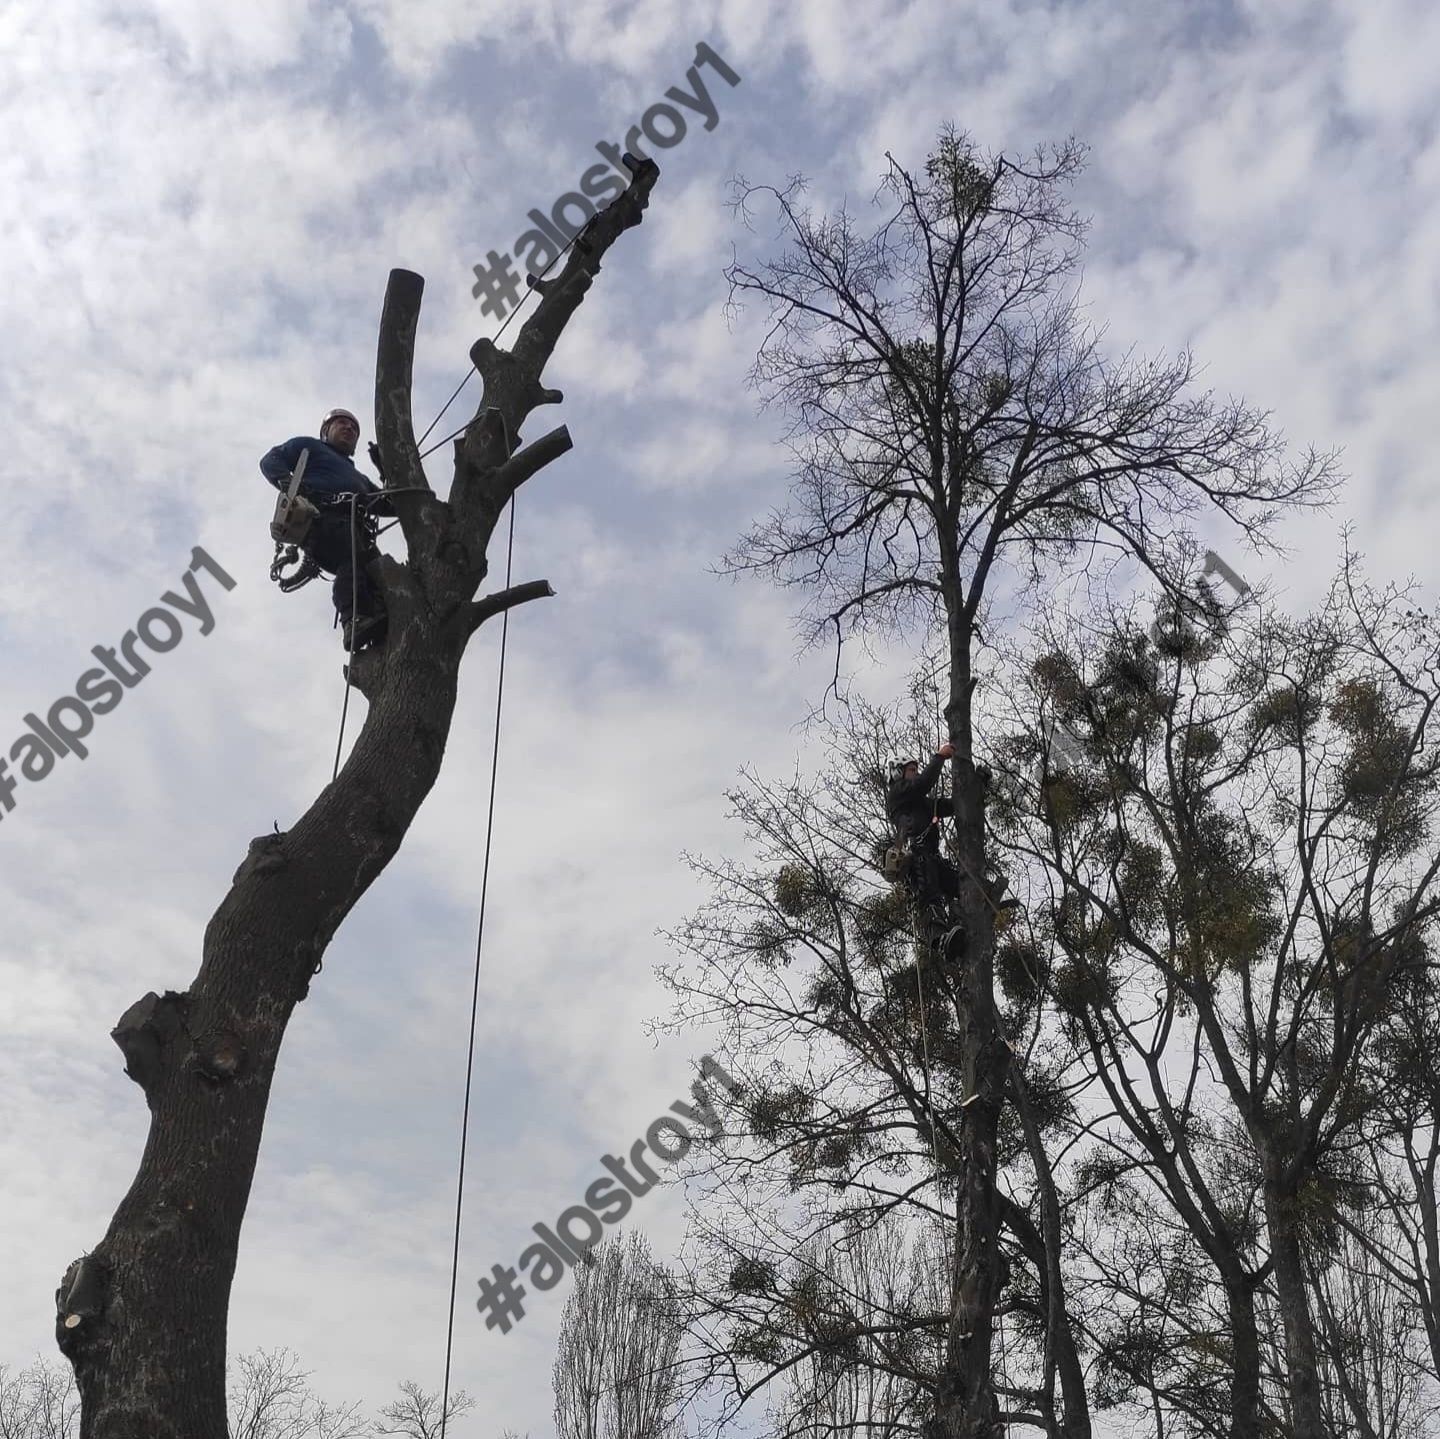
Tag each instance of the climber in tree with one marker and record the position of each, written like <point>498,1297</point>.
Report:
<point>329,481</point>
<point>916,814</point>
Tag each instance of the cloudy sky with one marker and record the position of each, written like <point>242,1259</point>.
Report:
<point>200,206</point>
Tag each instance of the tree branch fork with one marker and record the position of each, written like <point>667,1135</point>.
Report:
<point>143,1316</point>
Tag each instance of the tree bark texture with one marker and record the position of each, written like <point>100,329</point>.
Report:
<point>143,1317</point>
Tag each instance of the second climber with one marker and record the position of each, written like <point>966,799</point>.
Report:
<point>915,812</point>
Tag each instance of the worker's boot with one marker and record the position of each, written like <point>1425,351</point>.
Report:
<point>364,631</point>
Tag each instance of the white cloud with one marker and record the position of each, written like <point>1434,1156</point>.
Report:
<point>206,203</point>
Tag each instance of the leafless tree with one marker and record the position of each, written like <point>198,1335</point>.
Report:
<point>38,1402</point>
<point>869,1277</point>
<point>271,1398</point>
<point>1372,1349</point>
<point>616,1369</point>
<point>419,1414</point>
<point>1400,1228</point>
<point>961,434</point>
<point>142,1317</point>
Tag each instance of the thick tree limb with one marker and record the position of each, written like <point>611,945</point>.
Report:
<point>394,420</point>
<point>520,466</point>
<point>502,600</point>
<point>149,1347</point>
<point>512,378</point>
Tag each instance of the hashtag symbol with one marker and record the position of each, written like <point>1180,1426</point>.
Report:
<point>501,1296</point>
<point>500,284</point>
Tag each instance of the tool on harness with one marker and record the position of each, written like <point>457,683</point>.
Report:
<point>897,862</point>
<point>294,514</point>
<point>292,568</point>
<point>285,556</point>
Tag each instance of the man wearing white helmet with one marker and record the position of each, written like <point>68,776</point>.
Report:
<point>329,482</point>
<point>932,880</point>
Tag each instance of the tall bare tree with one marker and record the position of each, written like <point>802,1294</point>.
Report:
<point>962,434</point>
<point>143,1317</point>
<point>1400,1227</point>
<point>617,1366</point>
<point>869,1279</point>
<point>1372,1349</point>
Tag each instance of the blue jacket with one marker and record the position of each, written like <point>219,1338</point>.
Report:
<point>329,475</point>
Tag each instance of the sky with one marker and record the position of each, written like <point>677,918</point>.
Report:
<point>199,206</point>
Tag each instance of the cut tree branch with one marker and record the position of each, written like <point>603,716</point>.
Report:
<point>503,600</point>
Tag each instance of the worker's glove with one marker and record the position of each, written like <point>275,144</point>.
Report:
<point>375,460</point>
<point>946,750</point>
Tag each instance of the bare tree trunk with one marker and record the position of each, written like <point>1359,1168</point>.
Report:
<point>1245,1358</point>
<point>1044,1254</point>
<point>143,1318</point>
<point>966,1405</point>
<point>1301,1363</point>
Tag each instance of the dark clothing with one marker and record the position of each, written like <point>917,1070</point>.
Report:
<point>329,481</point>
<point>329,545</point>
<point>329,474</point>
<point>931,879</point>
<point>910,807</point>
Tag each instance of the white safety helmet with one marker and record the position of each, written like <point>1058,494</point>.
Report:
<point>339,414</point>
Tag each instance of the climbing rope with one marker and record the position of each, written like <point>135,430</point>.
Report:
<point>1004,1370</point>
<point>929,1104</point>
<point>475,992</point>
<point>531,288</point>
<point>480,926</point>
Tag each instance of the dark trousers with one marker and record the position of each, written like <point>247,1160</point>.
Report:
<point>933,881</point>
<point>331,546</point>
